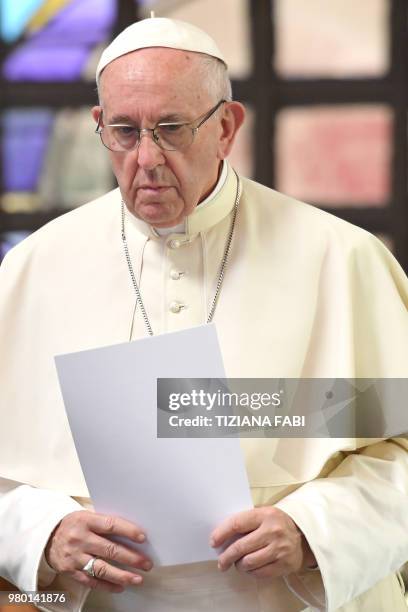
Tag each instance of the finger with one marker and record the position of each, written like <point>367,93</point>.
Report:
<point>94,583</point>
<point>109,573</point>
<point>256,560</point>
<point>106,524</point>
<point>240,523</point>
<point>113,551</point>
<point>240,548</point>
<point>272,570</point>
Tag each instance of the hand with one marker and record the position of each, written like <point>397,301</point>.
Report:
<point>273,545</point>
<point>81,535</point>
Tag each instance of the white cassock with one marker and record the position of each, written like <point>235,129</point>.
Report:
<point>305,295</point>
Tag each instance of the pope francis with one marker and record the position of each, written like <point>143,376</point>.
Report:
<point>294,292</point>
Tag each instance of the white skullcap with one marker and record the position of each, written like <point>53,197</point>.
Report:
<point>159,32</point>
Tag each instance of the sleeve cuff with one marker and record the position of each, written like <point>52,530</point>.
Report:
<point>308,587</point>
<point>45,575</point>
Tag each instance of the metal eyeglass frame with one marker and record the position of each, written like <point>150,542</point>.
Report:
<point>202,119</point>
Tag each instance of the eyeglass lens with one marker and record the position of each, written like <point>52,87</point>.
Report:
<point>125,138</point>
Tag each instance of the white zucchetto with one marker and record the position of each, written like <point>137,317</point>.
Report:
<point>159,32</point>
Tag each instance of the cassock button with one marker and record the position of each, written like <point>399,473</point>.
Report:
<point>175,307</point>
<point>174,244</point>
<point>175,274</point>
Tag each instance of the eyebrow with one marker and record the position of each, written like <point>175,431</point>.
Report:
<point>172,117</point>
<point>121,119</point>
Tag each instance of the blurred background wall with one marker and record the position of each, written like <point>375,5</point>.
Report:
<point>325,84</point>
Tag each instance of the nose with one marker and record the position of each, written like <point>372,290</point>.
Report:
<point>149,154</point>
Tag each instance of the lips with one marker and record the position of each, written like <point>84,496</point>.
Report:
<point>153,187</point>
<point>150,194</point>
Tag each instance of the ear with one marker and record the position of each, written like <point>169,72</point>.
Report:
<point>96,111</point>
<point>232,119</point>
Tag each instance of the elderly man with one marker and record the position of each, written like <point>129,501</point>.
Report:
<point>293,291</point>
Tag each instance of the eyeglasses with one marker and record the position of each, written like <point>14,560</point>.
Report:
<point>168,136</point>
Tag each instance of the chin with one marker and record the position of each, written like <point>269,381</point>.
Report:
<point>153,214</point>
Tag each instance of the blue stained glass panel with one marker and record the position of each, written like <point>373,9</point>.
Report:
<point>60,50</point>
<point>14,15</point>
<point>24,144</point>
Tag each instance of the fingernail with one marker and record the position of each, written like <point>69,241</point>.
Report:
<point>212,542</point>
<point>147,566</point>
<point>141,537</point>
<point>137,580</point>
<point>220,567</point>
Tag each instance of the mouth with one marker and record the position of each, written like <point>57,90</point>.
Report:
<point>153,188</point>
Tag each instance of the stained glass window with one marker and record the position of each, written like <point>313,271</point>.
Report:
<point>77,167</point>
<point>51,159</point>
<point>336,155</point>
<point>55,38</point>
<point>339,38</point>
<point>14,16</point>
<point>25,137</point>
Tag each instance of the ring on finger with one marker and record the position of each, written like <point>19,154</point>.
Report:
<point>89,568</point>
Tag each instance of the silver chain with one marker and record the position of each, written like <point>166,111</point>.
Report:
<point>221,272</point>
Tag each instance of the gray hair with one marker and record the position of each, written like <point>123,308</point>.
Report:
<point>214,75</point>
<point>215,78</point>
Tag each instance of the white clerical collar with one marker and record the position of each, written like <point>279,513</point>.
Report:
<point>181,227</point>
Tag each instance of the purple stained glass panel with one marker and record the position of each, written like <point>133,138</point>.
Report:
<point>24,144</point>
<point>59,51</point>
<point>40,63</point>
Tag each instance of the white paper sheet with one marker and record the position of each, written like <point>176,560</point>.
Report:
<point>178,490</point>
